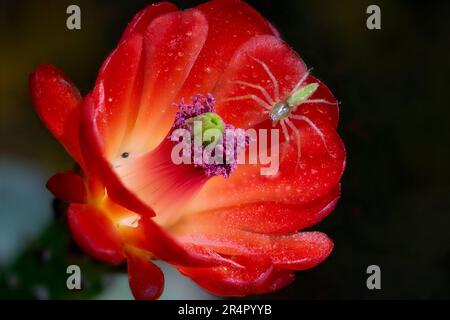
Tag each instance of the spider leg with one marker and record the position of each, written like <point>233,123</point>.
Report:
<point>320,101</point>
<point>314,101</point>
<point>285,130</point>
<point>316,130</point>
<point>257,99</point>
<point>271,76</point>
<point>260,88</point>
<point>287,138</point>
<point>297,133</point>
<point>300,82</point>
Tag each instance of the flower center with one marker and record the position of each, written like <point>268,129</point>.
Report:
<point>214,154</point>
<point>167,186</point>
<point>208,122</point>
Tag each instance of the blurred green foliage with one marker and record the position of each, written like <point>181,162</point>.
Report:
<point>36,272</point>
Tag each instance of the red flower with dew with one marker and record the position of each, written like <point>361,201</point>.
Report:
<point>232,230</point>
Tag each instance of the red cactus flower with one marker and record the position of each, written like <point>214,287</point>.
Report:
<point>232,230</point>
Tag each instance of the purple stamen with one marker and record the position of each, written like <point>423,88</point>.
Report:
<point>200,105</point>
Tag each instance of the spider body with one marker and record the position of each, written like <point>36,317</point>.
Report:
<point>282,111</point>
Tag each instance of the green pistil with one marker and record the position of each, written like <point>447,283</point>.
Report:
<point>209,120</point>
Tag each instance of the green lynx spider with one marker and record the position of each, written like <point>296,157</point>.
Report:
<point>282,110</point>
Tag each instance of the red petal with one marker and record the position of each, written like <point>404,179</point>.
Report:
<point>119,84</point>
<point>299,180</point>
<point>146,279</point>
<point>67,186</point>
<point>117,93</point>
<point>255,63</point>
<point>98,164</point>
<point>301,251</point>
<point>230,24</point>
<point>283,63</point>
<point>269,217</point>
<point>144,17</point>
<point>162,185</point>
<point>320,114</point>
<point>172,43</point>
<point>297,251</point>
<point>57,102</point>
<point>229,281</point>
<point>95,233</point>
<point>152,238</point>
<point>278,279</point>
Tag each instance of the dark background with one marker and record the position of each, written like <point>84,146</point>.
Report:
<point>393,85</point>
